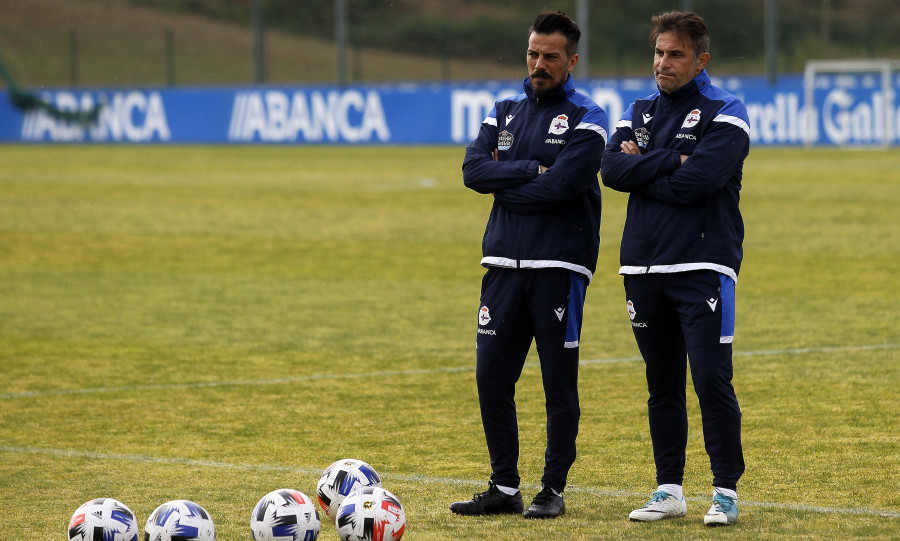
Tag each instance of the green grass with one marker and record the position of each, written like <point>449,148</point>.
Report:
<point>212,323</point>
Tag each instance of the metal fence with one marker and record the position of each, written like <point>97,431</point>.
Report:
<point>214,42</point>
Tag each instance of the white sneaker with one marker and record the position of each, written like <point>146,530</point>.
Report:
<point>724,511</point>
<point>661,505</point>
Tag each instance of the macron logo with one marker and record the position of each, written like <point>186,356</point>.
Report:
<point>647,118</point>
<point>712,304</point>
<point>509,119</point>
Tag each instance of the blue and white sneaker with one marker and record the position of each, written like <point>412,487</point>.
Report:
<point>661,505</point>
<point>724,511</point>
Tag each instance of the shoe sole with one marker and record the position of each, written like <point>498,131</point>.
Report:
<point>485,513</point>
<point>653,518</point>
<point>542,517</point>
<point>712,524</point>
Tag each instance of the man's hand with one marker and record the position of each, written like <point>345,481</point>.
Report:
<point>630,147</point>
<point>494,154</point>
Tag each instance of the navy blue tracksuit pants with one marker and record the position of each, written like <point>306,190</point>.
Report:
<point>680,316</point>
<point>518,306</point>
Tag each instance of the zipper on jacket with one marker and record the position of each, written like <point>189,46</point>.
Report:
<point>538,105</point>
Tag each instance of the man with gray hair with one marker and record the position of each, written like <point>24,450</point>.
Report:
<point>679,154</point>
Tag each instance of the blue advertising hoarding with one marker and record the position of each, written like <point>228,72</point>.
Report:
<point>849,109</point>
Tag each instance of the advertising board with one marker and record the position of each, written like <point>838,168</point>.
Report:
<point>848,109</point>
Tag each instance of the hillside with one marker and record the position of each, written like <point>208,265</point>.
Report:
<point>124,42</point>
<point>119,43</point>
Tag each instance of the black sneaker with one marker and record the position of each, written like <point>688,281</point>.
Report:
<point>491,502</point>
<point>547,504</point>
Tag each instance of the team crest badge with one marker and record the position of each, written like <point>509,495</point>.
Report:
<point>631,312</point>
<point>484,316</point>
<point>692,119</point>
<point>504,140</point>
<point>642,136</point>
<point>559,125</point>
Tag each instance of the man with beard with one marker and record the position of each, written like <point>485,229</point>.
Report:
<point>537,155</point>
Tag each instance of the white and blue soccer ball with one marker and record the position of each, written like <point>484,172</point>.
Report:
<point>285,515</point>
<point>180,520</point>
<point>342,478</point>
<point>103,519</point>
<point>371,514</point>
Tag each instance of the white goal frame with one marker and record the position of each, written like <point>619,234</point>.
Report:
<point>886,68</point>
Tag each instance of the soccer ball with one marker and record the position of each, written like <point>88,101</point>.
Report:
<point>103,519</point>
<point>371,514</point>
<point>285,515</point>
<point>342,478</point>
<point>179,520</point>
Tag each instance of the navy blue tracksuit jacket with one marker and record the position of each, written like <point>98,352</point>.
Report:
<point>551,220</point>
<point>681,217</point>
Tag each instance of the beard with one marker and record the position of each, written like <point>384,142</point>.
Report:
<point>542,84</point>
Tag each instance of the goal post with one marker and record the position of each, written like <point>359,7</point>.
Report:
<point>858,108</point>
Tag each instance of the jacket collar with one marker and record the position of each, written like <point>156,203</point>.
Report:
<point>697,85</point>
<point>558,94</point>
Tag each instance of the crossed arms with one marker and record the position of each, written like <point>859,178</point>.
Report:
<point>667,175</point>
<point>529,186</point>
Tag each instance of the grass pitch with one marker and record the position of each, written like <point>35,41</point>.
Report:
<point>213,323</point>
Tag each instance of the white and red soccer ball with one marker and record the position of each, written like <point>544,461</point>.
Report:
<point>370,514</point>
<point>103,519</point>
<point>285,515</point>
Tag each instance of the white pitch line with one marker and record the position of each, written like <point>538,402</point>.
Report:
<point>147,459</point>
<point>390,373</point>
<point>204,384</point>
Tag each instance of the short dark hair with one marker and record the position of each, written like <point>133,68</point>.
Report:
<point>549,22</point>
<point>686,24</point>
